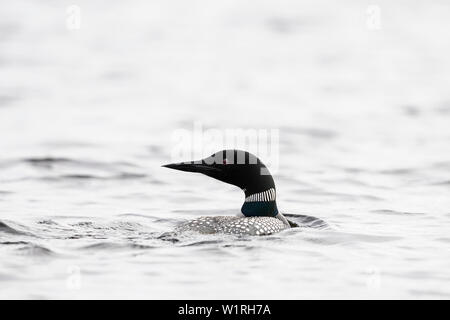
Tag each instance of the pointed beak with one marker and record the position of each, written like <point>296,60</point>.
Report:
<point>191,166</point>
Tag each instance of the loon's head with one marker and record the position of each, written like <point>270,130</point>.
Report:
<point>244,170</point>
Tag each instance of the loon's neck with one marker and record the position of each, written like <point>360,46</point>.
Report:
<point>260,204</point>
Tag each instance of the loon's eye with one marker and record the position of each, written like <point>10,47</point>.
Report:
<point>225,161</point>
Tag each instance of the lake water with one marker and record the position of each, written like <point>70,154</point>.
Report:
<point>89,107</point>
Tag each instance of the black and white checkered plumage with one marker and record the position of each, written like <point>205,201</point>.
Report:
<point>254,226</point>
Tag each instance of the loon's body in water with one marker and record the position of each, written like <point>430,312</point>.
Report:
<point>259,213</point>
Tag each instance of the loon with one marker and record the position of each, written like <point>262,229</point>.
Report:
<point>259,213</point>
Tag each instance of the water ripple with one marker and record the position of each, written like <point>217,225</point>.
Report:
<point>394,212</point>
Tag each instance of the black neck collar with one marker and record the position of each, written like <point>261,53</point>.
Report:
<point>260,204</point>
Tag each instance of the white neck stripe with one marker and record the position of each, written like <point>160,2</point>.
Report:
<point>265,196</point>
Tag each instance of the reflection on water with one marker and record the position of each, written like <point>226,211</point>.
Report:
<point>87,115</point>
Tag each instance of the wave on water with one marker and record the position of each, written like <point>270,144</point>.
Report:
<point>36,250</point>
<point>116,246</point>
<point>54,169</point>
<point>49,162</point>
<point>133,233</point>
<point>305,221</point>
<point>30,249</point>
<point>394,212</point>
<point>5,228</point>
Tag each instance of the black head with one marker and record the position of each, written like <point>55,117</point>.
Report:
<point>236,167</point>
<point>244,170</point>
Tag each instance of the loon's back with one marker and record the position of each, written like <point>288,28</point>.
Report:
<point>234,225</point>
